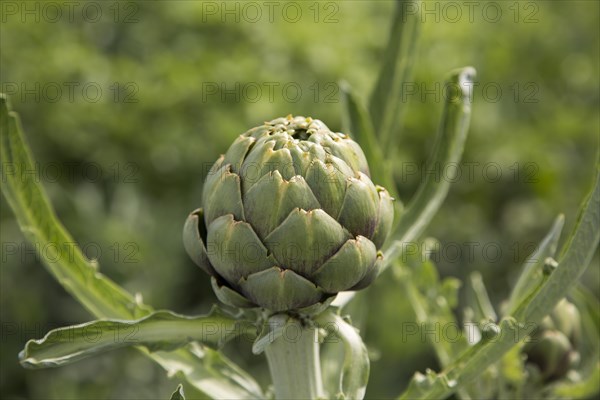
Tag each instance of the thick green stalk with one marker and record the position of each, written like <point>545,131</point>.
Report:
<point>294,362</point>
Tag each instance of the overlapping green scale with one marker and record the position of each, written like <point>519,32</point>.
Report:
<point>237,152</point>
<point>280,289</point>
<point>268,203</point>
<point>225,197</point>
<point>345,149</point>
<point>212,178</point>
<point>194,239</point>
<point>305,240</point>
<point>361,195</point>
<point>370,275</point>
<point>384,220</point>
<point>263,160</point>
<point>301,159</point>
<point>328,184</point>
<point>347,267</point>
<point>234,250</point>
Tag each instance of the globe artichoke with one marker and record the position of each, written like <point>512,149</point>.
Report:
<point>290,218</point>
<point>553,345</point>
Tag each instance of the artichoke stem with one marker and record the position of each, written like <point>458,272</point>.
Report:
<point>294,362</point>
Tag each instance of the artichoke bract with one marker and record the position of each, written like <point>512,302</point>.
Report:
<point>290,218</point>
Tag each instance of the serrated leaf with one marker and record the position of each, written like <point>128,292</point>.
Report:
<point>354,371</point>
<point>447,149</point>
<point>161,330</point>
<point>28,200</point>
<point>178,394</point>
<point>428,296</point>
<point>101,296</point>
<point>386,104</point>
<point>209,371</point>
<point>576,256</point>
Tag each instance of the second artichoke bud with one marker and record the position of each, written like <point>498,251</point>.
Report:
<point>290,218</point>
<point>553,346</point>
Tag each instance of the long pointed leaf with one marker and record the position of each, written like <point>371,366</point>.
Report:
<point>357,122</point>
<point>39,224</point>
<point>531,274</point>
<point>447,149</point>
<point>101,296</point>
<point>385,105</point>
<point>161,330</point>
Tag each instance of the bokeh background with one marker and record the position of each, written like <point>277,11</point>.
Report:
<point>126,104</point>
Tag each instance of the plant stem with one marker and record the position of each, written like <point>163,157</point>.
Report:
<point>293,359</point>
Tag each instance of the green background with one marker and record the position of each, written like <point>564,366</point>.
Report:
<point>124,165</point>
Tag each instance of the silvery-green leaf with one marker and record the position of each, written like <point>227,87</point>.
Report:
<point>161,330</point>
<point>40,226</point>
<point>447,149</point>
<point>209,372</point>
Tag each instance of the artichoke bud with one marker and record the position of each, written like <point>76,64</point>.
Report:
<point>553,345</point>
<point>290,218</point>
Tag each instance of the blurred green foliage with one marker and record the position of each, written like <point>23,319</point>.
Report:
<point>124,171</point>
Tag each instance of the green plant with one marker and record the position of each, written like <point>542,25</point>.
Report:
<point>207,372</point>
